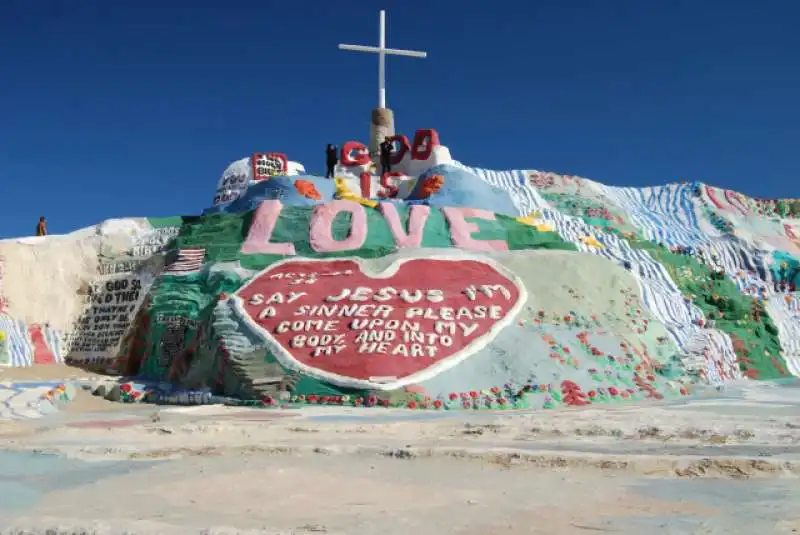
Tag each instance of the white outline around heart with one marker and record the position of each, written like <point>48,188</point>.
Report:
<point>286,358</point>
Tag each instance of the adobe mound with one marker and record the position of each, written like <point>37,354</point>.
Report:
<point>439,286</point>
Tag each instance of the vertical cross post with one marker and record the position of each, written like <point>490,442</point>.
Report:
<point>382,61</point>
<point>382,52</point>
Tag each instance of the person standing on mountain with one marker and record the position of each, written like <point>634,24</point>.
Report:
<point>386,156</point>
<point>331,159</point>
<point>41,228</point>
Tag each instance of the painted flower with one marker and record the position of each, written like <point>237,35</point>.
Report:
<point>307,189</point>
<point>466,404</point>
<point>473,394</point>
<point>453,396</point>
<point>437,404</point>
<point>613,391</point>
<point>412,404</point>
<point>125,388</point>
<point>431,185</point>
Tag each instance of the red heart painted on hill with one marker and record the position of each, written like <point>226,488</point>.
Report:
<point>419,317</point>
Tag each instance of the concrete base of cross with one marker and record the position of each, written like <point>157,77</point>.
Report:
<point>381,125</point>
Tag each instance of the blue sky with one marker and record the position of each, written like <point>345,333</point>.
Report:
<point>123,108</point>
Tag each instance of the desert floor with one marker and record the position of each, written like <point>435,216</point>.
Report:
<point>725,462</point>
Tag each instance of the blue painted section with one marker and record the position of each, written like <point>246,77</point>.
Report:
<point>793,266</point>
<point>464,189</point>
<point>18,342</point>
<point>461,188</point>
<point>280,188</point>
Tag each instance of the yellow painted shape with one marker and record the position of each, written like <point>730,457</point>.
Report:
<point>533,221</point>
<point>592,242</point>
<point>346,194</point>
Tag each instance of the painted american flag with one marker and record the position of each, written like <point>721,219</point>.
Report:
<point>186,261</point>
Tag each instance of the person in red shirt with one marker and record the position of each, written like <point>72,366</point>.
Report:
<point>41,228</point>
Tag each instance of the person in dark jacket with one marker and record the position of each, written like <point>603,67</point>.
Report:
<point>41,228</point>
<point>331,159</point>
<point>386,156</point>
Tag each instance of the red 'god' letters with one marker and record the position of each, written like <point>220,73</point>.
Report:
<point>332,320</point>
<point>355,153</point>
<point>401,147</point>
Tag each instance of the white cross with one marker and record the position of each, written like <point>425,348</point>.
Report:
<point>382,52</point>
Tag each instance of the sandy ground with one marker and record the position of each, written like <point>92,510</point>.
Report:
<point>727,463</point>
<point>43,372</point>
<point>320,494</point>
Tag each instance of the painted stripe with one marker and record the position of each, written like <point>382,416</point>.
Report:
<point>187,260</point>
<point>41,351</point>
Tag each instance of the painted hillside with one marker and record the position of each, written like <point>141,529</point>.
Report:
<point>436,285</point>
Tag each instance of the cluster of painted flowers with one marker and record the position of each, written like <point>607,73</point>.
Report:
<point>128,394</point>
<point>494,398</point>
<point>58,393</point>
<point>314,399</point>
<point>507,397</point>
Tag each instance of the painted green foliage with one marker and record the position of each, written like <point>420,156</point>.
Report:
<point>754,335</point>
<point>221,235</point>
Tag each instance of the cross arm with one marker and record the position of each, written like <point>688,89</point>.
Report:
<point>388,51</point>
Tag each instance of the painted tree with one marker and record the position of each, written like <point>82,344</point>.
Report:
<point>573,395</point>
